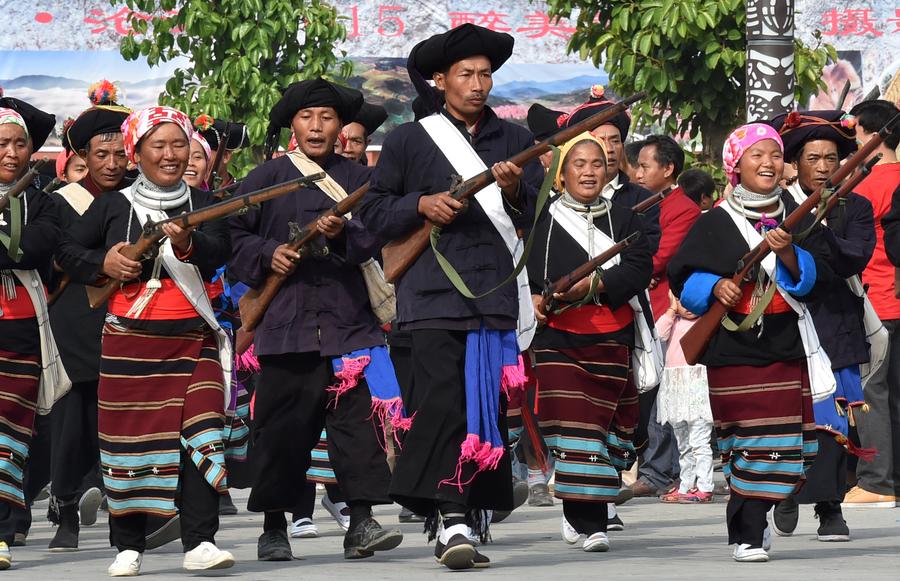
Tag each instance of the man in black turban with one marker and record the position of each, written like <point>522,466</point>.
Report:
<point>356,136</point>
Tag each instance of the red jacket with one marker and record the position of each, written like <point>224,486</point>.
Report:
<point>879,274</point>
<point>677,213</point>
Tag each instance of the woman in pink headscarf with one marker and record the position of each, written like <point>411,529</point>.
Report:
<point>199,161</point>
<point>757,368</point>
<point>165,361</point>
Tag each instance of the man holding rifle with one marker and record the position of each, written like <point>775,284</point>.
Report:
<point>815,142</point>
<point>451,333</point>
<point>96,136</point>
<point>319,331</point>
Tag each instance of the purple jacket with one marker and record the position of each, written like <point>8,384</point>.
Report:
<point>323,306</point>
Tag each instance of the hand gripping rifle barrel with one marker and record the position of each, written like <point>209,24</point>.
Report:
<point>568,281</point>
<point>696,340</point>
<point>254,303</point>
<point>147,245</point>
<point>402,253</point>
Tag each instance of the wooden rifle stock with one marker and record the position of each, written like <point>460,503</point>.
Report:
<point>22,183</point>
<point>254,303</point>
<point>696,340</point>
<point>147,245</point>
<point>656,198</point>
<point>400,254</point>
<point>568,281</point>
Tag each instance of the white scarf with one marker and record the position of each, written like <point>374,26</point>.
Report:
<point>746,202</point>
<point>150,195</point>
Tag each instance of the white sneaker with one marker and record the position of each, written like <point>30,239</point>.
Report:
<point>304,528</point>
<point>744,554</point>
<point>207,556</point>
<point>5,556</point>
<point>336,510</point>
<point>596,543</point>
<point>569,534</point>
<point>127,564</point>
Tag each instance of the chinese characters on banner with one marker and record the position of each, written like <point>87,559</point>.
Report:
<point>858,22</point>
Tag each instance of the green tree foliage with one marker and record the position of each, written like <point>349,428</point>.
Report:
<point>240,54</point>
<point>688,55</point>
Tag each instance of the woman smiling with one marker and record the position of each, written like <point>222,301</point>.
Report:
<point>588,400</point>
<point>161,413</point>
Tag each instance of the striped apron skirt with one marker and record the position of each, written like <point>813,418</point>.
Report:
<point>588,412</point>
<point>237,428</point>
<point>320,469</point>
<point>765,426</point>
<point>19,378</point>
<point>158,395</point>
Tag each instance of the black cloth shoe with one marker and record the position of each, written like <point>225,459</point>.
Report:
<point>832,526</point>
<point>539,495</point>
<point>367,537</point>
<point>615,524</point>
<point>274,546</point>
<point>459,553</point>
<point>66,537</point>
<point>407,516</point>
<point>520,495</point>
<point>785,517</point>
<point>226,505</point>
<point>162,531</point>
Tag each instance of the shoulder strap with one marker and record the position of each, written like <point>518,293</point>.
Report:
<point>76,196</point>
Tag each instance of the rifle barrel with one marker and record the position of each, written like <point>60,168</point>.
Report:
<point>255,302</point>
<point>400,254</point>
<point>696,340</point>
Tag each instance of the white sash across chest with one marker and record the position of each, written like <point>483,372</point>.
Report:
<point>648,358</point>
<point>188,279</point>
<point>466,163</point>
<point>821,378</point>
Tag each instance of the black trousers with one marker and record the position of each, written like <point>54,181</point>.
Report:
<point>431,448</point>
<point>586,517</point>
<point>747,519</point>
<point>826,480</point>
<point>198,505</point>
<point>307,505</point>
<point>76,446</point>
<point>292,406</point>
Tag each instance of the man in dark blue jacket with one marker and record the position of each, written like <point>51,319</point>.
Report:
<point>321,315</point>
<point>815,142</point>
<point>411,184</point>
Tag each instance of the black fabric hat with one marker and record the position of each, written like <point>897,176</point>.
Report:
<point>95,121</point>
<point>442,50</point>
<point>371,117</point>
<point>797,129</point>
<point>40,124</point>
<point>543,122</point>
<point>237,134</point>
<point>315,93</point>
<point>597,103</point>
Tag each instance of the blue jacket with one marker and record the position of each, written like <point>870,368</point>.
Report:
<point>411,165</point>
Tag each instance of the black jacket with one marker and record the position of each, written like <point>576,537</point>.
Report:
<point>410,166</point>
<point>838,313</point>
<point>323,306</point>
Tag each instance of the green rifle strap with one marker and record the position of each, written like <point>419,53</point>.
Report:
<point>754,315</point>
<point>820,214</point>
<point>451,273</point>
<point>588,298</point>
<point>15,230</point>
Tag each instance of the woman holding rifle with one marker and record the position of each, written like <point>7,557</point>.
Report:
<point>165,360</point>
<point>587,397</point>
<point>757,368</point>
<point>29,234</point>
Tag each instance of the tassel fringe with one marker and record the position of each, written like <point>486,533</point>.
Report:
<point>348,376</point>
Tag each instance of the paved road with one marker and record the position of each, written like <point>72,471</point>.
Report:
<point>659,542</point>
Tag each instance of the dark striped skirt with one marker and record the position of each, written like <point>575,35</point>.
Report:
<point>588,411</point>
<point>158,395</point>
<point>237,428</point>
<point>19,377</point>
<point>320,469</point>
<point>765,426</point>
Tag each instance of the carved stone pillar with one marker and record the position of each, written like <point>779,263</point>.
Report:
<point>770,58</point>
